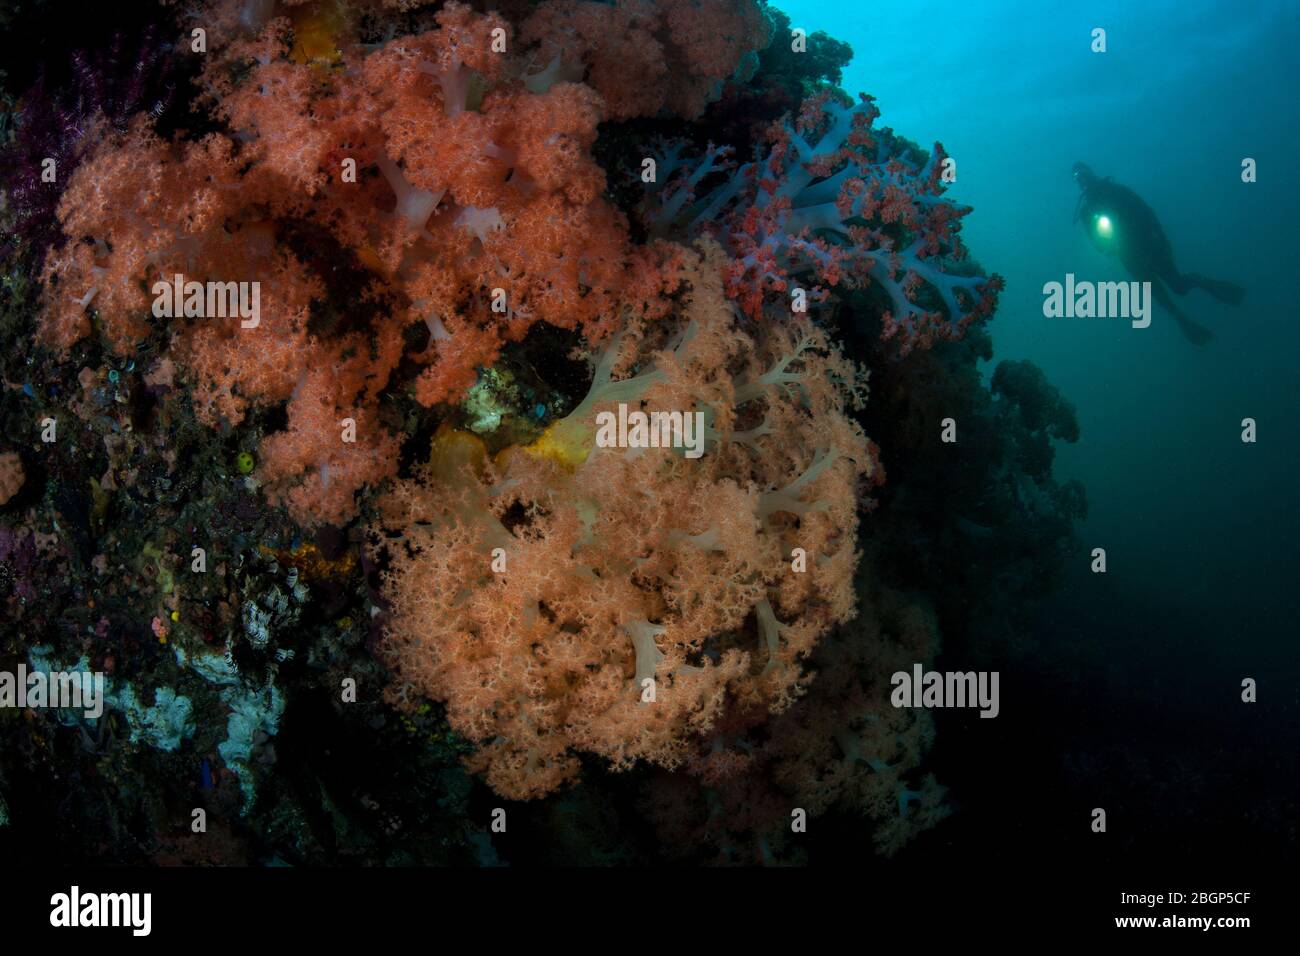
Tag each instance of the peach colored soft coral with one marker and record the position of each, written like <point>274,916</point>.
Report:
<point>843,747</point>
<point>624,566</point>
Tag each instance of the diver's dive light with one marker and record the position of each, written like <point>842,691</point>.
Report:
<point>1105,228</point>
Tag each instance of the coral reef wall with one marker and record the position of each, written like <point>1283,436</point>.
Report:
<point>321,346</point>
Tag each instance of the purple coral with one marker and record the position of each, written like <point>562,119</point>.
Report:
<point>836,202</point>
<point>18,558</point>
<point>60,125</point>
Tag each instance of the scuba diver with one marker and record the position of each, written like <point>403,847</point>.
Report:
<point>1120,223</point>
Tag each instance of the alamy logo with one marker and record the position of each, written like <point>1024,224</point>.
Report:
<point>1102,300</point>
<point>946,689</point>
<point>103,909</point>
<point>210,300</point>
<point>72,690</point>
<point>651,430</point>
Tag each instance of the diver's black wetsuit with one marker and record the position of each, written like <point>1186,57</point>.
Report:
<point>1141,245</point>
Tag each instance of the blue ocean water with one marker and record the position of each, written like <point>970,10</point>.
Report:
<point>1200,529</point>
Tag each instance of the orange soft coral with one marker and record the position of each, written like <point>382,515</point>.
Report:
<point>476,211</point>
<point>332,445</point>
<point>645,56</point>
<point>624,566</point>
<point>487,215</point>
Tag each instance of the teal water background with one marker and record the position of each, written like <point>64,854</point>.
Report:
<point>1200,529</point>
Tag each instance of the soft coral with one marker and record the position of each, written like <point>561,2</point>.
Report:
<point>478,212</point>
<point>643,56</point>
<point>627,566</point>
<point>831,202</point>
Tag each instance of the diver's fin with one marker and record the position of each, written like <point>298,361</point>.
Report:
<point>1193,332</point>
<point>1196,334</point>
<point>1222,290</point>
